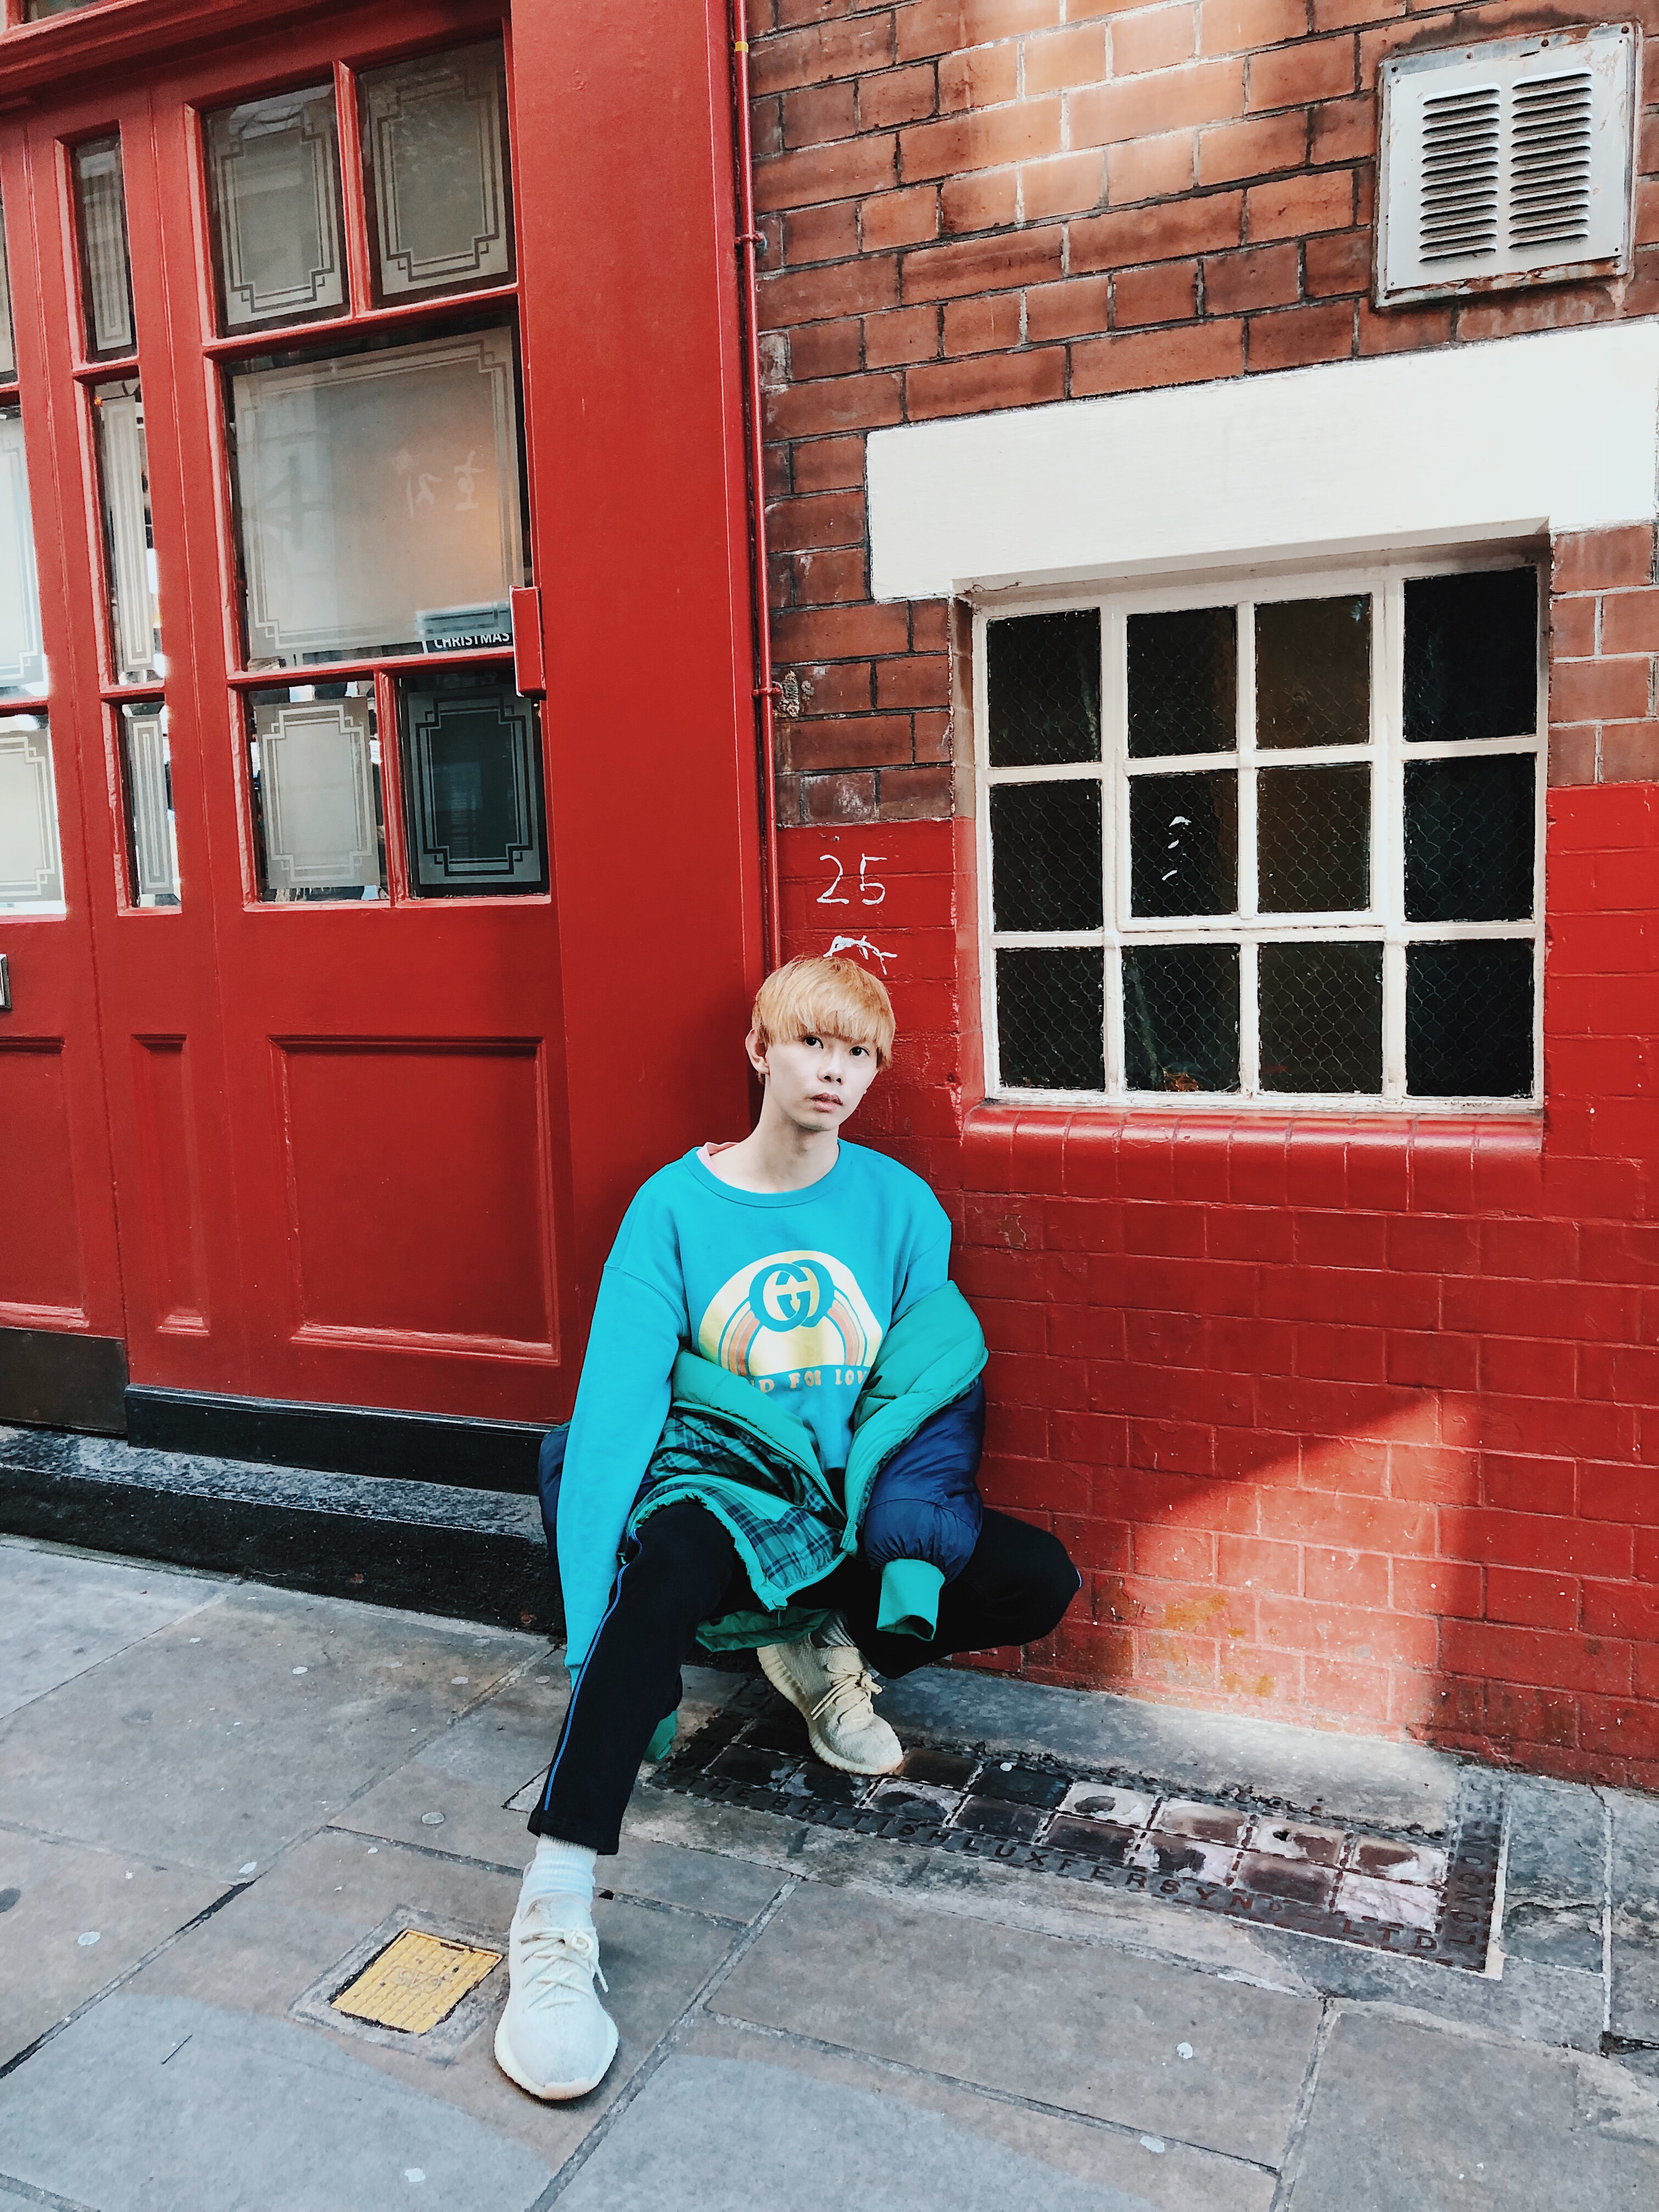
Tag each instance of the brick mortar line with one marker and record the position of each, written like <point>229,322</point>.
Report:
<point>986,2089</point>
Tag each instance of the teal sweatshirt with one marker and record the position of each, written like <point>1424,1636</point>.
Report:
<point>793,1290</point>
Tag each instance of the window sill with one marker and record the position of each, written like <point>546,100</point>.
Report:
<point>1430,1163</point>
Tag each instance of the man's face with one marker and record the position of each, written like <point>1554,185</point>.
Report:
<point>816,1082</point>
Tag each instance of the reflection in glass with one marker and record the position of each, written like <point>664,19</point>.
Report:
<point>315,760</point>
<point>1321,1011</point>
<point>8,336</point>
<point>1313,672</point>
<point>380,500</point>
<point>1045,855</point>
<point>31,865</point>
<point>1184,682</point>
<point>22,663</point>
<point>1183,844</point>
<point>1043,674</point>
<point>1181,1017</point>
<point>435,145</point>
<point>1469,1020</point>
<point>1314,840</point>
<point>135,608</point>
<point>1471,656</point>
<point>1051,1005</point>
<point>152,835</point>
<point>1470,834</point>
<point>274,166</point>
<point>39,9</point>
<point>472,775</point>
<point>105,275</point>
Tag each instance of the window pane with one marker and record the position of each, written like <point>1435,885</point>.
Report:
<point>473,774</point>
<point>31,864</point>
<point>105,277</point>
<point>380,502</point>
<point>8,338</point>
<point>39,9</point>
<point>1183,844</point>
<point>1321,1012</point>
<point>1469,1020</point>
<point>135,608</point>
<point>315,757</point>
<point>152,838</point>
<point>1469,839</point>
<point>1314,840</point>
<point>1043,679</point>
<point>22,663</point>
<point>1045,855</point>
<point>1313,672</point>
<point>434,149</point>
<point>1184,682</point>
<point>1050,1007</point>
<point>1181,1017</point>
<point>1471,656</point>
<point>275,170</point>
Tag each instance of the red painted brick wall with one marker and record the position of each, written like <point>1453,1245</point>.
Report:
<point>1349,1421</point>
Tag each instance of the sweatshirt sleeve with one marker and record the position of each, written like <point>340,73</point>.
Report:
<point>927,1259</point>
<point>621,1405</point>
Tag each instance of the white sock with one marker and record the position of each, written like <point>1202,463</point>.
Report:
<point>560,1870</point>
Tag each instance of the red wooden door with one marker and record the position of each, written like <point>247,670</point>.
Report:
<point>329,379</point>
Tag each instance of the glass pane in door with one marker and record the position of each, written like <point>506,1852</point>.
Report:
<point>315,756</point>
<point>152,838</point>
<point>274,168</point>
<point>135,612</point>
<point>31,864</point>
<point>22,663</point>
<point>380,500</point>
<point>435,159</point>
<point>106,276</point>
<point>8,340</point>
<point>472,775</point>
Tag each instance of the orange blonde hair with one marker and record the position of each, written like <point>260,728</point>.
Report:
<point>819,997</point>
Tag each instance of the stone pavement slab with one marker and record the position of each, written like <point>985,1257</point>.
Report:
<point>219,1738</point>
<point>157,2104</point>
<point>1084,2029</point>
<point>1405,2119</point>
<point>61,1613</point>
<point>80,1918</point>
<point>1555,1875</point>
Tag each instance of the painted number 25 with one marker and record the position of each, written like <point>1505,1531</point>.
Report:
<point>871,893</point>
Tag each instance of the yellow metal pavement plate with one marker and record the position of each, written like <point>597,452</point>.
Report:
<point>416,1981</point>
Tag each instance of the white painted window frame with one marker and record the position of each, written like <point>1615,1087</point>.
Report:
<point>1387,753</point>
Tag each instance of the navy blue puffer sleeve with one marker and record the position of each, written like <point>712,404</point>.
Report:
<point>925,1514</point>
<point>549,1472</point>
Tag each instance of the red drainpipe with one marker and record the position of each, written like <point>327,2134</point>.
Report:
<point>766,690</point>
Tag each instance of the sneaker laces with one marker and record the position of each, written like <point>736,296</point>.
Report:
<point>559,1964</point>
<point>848,1687</point>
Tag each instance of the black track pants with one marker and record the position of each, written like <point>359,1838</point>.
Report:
<point>683,1569</point>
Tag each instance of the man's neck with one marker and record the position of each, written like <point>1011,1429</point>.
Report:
<point>777,1156</point>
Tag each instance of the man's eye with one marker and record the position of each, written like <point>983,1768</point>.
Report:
<point>811,1040</point>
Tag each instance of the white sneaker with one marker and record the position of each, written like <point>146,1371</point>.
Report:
<point>555,2040</point>
<point>826,1680</point>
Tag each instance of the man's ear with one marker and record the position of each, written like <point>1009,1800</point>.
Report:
<point>757,1051</point>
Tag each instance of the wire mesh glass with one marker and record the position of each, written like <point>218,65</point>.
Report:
<point>1184,682</point>
<point>1183,844</point>
<point>1042,679</point>
<point>1470,839</point>
<point>1471,667</point>
<point>1051,1007</point>
<point>1045,855</point>
<point>1469,1020</point>
<point>1314,840</point>
<point>1320,1011</point>
<point>1181,1017</point>
<point>1313,672</point>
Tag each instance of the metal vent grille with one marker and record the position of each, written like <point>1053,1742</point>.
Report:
<point>1460,153</point>
<point>1550,162</point>
<point>1507,163</point>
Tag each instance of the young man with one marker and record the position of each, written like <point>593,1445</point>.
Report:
<point>776,1434</point>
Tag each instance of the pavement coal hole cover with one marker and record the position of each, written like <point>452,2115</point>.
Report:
<point>409,1981</point>
<point>1421,1897</point>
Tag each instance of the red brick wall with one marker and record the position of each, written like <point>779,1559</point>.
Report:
<point>1348,1421</point>
<point>981,203</point>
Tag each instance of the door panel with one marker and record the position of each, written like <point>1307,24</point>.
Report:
<point>41,1275</point>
